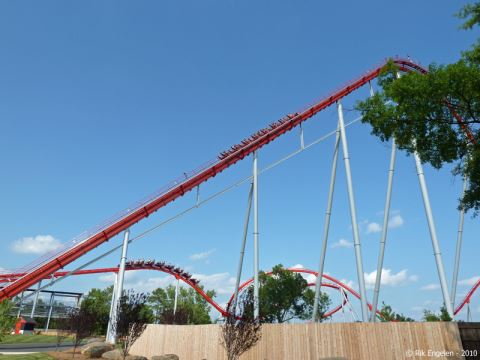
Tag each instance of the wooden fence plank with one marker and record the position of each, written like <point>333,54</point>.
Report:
<point>362,341</point>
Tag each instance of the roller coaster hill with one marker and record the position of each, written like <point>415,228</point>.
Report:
<point>49,267</point>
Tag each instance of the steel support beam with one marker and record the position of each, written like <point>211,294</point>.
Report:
<point>242,250</point>
<point>176,297</point>
<point>353,215</point>
<point>34,305</point>
<point>383,239</point>
<point>302,140</point>
<point>458,250</point>
<point>20,305</point>
<point>50,309</point>
<point>326,226</point>
<point>433,234</point>
<point>256,284</point>
<point>110,334</point>
<point>120,279</point>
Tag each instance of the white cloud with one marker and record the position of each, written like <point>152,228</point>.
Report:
<point>222,283</point>
<point>202,256</point>
<point>40,244</point>
<point>413,278</point>
<point>430,287</point>
<point>395,221</point>
<point>373,227</point>
<point>297,266</point>
<point>342,243</point>
<point>469,282</point>
<point>389,278</point>
<point>109,278</point>
<point>349,283</point>
<point>309,277</point>
<point>150,284</point>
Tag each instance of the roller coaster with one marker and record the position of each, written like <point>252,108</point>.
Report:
<point>185,277</point>
<point>48,266</point>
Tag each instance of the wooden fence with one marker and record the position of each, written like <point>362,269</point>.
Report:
<point>350,341</point>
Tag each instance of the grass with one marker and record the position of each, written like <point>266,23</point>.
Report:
<point>29,339</point>
<point>36,356</point>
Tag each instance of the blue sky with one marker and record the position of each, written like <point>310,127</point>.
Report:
<point>101,103</point>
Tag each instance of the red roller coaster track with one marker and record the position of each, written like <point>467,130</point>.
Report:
<point>5,278</point>
<point>89,240</point>
<point>181,275</point>
<point>467,298</point>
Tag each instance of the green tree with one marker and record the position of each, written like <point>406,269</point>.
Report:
<point>285,296</point>
<point>389,315</point>
<point>98,301</point>
<point>6,320</point>
<point>189,303</point>
<point>80,323</point>
<point>418,110</point>
<point>240,331</point>
<point>429,315</point>
<point>131,319</point>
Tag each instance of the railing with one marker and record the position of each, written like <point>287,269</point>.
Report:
<point>67,246</point>
<point>42,310</point>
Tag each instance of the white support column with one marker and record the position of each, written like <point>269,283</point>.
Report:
<point>242,251</point>
<point>433,235</point>
<point>110,335</point>
<point>34,305</point>
<point>256,284</point>
<point>372,93</point>
<point>52,299</point>
<point>302,140</point>
<point>197,201</point>
<point>458,250</point>
<point>383,239</point>
<point>19,313</point>
<point>176,297</point>
<point>353,214</point>
<point>119,287</point>
<point>326,226</point>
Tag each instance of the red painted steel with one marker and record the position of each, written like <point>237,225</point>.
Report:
<point>312,272</point>
<point>190,282</point>
<point>47,266</point>
<point>154,266</point>
<point>467,298</point>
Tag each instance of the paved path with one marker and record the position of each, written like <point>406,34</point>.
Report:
<point>32,348</point>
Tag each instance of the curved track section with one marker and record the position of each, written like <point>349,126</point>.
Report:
<point>312,272</point>
<point>193,283</point>
<point>467,298</point>
<point>90,239</point>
